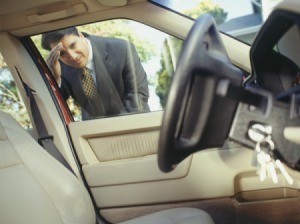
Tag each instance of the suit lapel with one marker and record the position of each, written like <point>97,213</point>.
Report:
<point>106,88</point>
<point>102,65</point>
<point>100,58</point>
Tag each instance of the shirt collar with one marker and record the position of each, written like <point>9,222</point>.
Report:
<point>90,63</point>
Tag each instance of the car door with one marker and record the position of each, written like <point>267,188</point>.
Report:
<point>119,161</point>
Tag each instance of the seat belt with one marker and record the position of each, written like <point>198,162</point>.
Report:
<point>44,139</point>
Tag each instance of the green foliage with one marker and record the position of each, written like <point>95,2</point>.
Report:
<point>207,6</point>
<point>37,42</point>
<point>2,62</point>
<point>173,45</point>
<point>164,80</point>
<point>120,28</point>
<point>169,55</point>
<point>10,100</point>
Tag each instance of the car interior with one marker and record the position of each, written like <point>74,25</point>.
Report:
<point>224,147</point>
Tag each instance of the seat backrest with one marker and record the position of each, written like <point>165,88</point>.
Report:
<point>34,187</point>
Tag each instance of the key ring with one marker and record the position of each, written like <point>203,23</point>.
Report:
<point>265,140</point>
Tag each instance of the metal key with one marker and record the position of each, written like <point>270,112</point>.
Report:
<point>268,147</point>
<point>271,170</point>
<point>263,157</point>
<point>284,172</point>
<point>262,165</point>
<point>271,163</point>
<point>276,163</point>
<point>257,133</point>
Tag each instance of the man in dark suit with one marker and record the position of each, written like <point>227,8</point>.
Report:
<point>119,80</point>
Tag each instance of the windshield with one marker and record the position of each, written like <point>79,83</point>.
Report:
<point>240,19</point>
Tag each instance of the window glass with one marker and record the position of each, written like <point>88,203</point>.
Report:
<point>131,67</point>
<point>10,100</point>
<point>240,19</point>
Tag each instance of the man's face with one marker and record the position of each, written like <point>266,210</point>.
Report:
<point>74,50</point>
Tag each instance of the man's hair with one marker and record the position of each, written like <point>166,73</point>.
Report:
<point>55,36</point>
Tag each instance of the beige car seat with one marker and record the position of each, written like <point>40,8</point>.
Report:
<point>35,188</point>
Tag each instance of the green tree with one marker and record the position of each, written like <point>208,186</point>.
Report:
<point>121,28</point>
<point>10,100</point>
<point>169,54</point>
<point>172,46</point>
<point>207,6</point>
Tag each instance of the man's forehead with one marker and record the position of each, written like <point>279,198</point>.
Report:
<point>66,40</point>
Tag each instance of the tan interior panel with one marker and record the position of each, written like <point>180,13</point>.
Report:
<point>126,152</point>
<point>127,171</point>
<point>204,180</point>
<point>93,138</point>
<point>121,171</point>
<point>125,146</point>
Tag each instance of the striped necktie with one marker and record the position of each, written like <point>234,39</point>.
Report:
<point>91,92</point>
<point>89,85</point>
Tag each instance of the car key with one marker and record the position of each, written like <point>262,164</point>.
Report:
<point>257,133</point>
<point>288,178</point>
<point>263,157</point>
<point>272,163</point>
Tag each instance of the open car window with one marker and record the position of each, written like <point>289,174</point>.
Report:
<point>132,65</point>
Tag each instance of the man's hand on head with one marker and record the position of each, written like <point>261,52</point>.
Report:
<point>52,60</point>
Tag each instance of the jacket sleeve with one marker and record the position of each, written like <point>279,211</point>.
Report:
<point>136,91</point>
<point>66,86</point>
<point>65,89</point>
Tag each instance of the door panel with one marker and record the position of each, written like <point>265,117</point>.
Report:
<point>116,138</point>
<point>125,146</point>
<point>118,157</point>
<point>129,171</point>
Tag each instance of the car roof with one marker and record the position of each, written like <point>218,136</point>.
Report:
<point>34,16</point>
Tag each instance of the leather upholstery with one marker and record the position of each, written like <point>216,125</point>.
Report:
<point>35,188</point>
<point>174,216</point>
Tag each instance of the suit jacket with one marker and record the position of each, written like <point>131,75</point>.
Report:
<point>121,80</point>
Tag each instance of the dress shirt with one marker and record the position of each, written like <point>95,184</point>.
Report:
<point>90,63</point>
